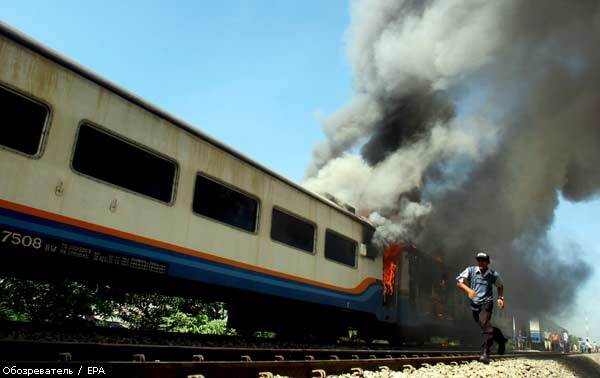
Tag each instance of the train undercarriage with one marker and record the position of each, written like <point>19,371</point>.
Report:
<point>428,309</point>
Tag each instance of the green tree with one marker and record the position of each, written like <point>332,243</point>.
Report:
<point>54,302</point>
<point>71,302</point>
<point>199,323</point>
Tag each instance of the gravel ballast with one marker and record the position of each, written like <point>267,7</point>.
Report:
<point>521,367</point>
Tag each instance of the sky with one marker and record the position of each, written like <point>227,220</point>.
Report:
<point>259,75</point>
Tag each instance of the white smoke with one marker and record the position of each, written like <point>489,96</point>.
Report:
<point>399,45</point>
<point>380,187</point>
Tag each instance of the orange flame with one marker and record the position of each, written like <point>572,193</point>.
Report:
<point>390,264</point>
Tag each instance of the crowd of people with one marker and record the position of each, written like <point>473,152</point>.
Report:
<point>556,341</point>
<point>587,346</point>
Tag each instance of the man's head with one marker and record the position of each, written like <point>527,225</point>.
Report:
<point>483,259</point>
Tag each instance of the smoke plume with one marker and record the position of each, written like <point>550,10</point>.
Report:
<point>469,120</point>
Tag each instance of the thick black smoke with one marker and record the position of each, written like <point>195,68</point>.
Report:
<point>472,118</point>
<point>406,120</point>
<point>551,146</point>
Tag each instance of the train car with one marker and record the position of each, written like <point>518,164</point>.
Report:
<point>421,287</point>
<point>97,182</point>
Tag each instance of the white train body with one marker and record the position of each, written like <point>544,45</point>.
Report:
<point>83,218</point>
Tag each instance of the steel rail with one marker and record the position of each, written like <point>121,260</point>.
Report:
<point>85,351</point>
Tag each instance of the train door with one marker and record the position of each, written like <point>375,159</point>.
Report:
<point>397,261</point>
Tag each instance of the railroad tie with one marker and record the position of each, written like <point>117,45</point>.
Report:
<point>409,367</point>
<point>139,357</point>
<point>198,357</point>
<point>65,356</point>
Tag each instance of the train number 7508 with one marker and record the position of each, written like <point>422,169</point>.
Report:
<point>16,238</point>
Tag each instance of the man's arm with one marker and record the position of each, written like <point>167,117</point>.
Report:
<point>500,288</point>
<point>470,292</point>
<point>460,283</point>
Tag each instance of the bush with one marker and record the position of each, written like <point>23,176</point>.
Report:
<point>71,302</point>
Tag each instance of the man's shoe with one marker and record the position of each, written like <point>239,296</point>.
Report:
<point>485,358</point>
<point>502,345</point>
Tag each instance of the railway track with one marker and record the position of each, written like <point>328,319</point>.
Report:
<point>213,362</point>
<point>11,330</point>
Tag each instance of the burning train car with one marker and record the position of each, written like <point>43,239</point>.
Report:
<point>420,288</point>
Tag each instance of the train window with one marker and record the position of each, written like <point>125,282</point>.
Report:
<point>221,203</point>
<point>114,160</point>
<point>290,230</point>
<point>340,248</point>
<point>23,122</point>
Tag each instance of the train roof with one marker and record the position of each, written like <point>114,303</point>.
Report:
<point>21,38</point>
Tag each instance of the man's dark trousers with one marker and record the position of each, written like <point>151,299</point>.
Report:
<point>482,314</point>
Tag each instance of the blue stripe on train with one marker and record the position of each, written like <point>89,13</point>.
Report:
<point>198,269</point>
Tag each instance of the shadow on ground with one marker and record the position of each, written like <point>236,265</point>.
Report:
<point>582,365</point>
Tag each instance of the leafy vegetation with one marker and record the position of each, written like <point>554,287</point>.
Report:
<point>199,323</point>
<point>77,303</point>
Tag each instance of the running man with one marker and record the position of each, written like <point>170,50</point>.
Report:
<point>477,282</point>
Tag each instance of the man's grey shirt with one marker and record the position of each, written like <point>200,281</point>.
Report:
<point>481,283</point>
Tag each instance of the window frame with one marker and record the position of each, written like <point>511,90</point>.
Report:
<point>303,219</point>
<point>111,133</point>
<point>355,266</point>
<point>235,189</point>
<point>47,122</point>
